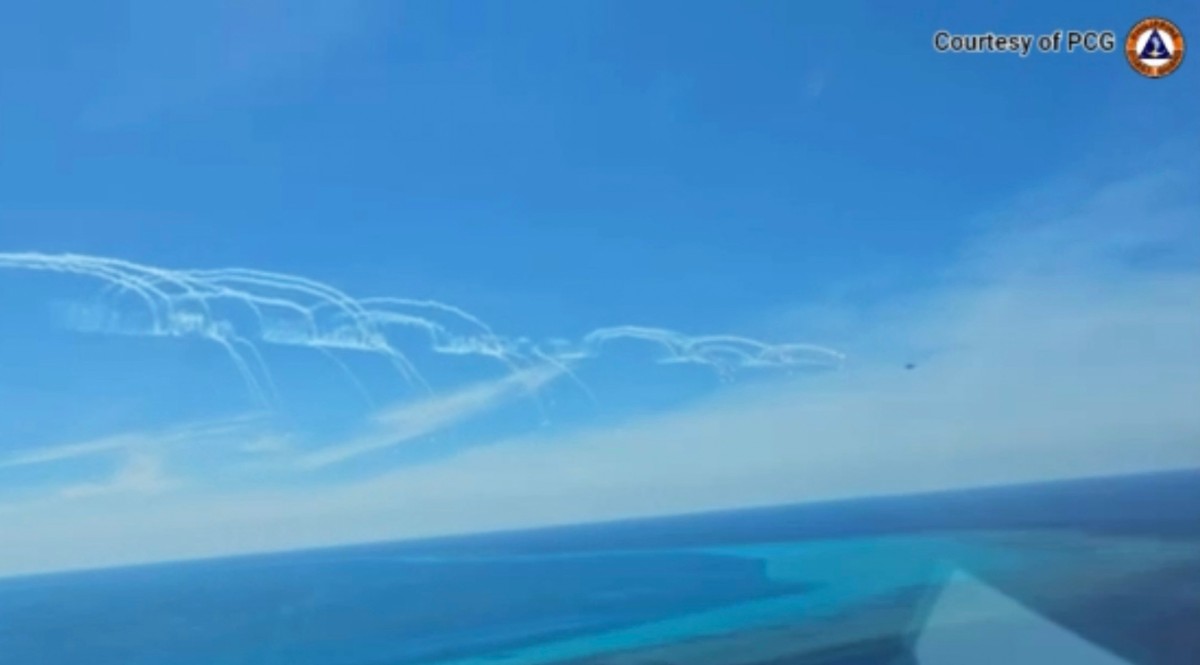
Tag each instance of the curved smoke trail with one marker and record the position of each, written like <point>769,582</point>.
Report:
<point>298,311</point>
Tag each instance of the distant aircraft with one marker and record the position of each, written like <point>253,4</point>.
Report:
<point>909,366</point>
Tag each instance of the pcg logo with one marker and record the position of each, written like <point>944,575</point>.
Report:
<point>1154,47</point>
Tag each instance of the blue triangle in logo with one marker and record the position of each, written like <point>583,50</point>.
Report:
<point>1155,48</point>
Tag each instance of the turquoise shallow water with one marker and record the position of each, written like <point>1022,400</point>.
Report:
<point>836,575</point>
<point>841,576</point>
<point>1077,554</point>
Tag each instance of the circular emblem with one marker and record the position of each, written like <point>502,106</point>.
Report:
<point>1154,47</point>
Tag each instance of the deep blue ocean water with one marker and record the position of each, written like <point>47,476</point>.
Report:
<point>1113,564</point>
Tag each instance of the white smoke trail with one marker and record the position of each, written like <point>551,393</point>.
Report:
<point>723,352</point>
<point>297,311</point>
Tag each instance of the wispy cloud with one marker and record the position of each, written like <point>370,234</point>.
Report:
<point>45,455</point>
<point>141,473</point>
<point>412,420</point>
<point>192,433</point>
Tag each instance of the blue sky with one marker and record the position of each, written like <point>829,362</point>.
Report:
<point>1022,229</point>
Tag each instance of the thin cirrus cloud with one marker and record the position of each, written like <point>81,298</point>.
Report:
<point>411,420</point>
<point>191,434</point>
<point>141,473</point>
<point>71,451</point>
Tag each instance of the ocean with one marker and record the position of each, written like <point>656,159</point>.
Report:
<point>1088,572</point>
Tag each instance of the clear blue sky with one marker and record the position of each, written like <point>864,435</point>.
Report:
<point>785,171</point>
